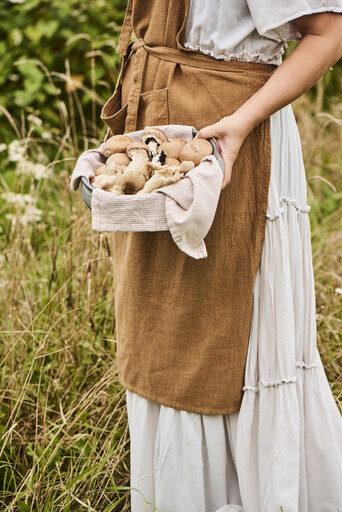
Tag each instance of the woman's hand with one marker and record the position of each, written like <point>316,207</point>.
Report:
<point>229,134</point>
<point>319,48</point>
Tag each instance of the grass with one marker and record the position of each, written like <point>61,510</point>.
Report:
<point>64,438</point>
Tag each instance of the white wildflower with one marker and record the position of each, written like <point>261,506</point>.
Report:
<point>3,147</point>
<point>31,214</point>
<point>14,77</point>
<point>12,218</point>
<point>19,199</point>
<point>338,290</point>
<point>46,135</point>
<point>16,36</point>
<point>15,151</point>
<point>28,168</point>
<point>39,171</point>
<point>35,119</point>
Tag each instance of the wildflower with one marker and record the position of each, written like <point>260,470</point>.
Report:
<point>15,151</point>
<point>338,290</point>
<point>20,200</point>
<point>3,147</point>
<point>16,36</point>
<point>38,171</point>
<point>34,119</point>
<point>31,214</point>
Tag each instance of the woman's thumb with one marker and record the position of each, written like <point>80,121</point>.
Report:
<point>206,133</point>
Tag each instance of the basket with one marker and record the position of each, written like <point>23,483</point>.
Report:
<point>87,189</point>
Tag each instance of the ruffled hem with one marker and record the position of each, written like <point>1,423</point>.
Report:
<point>289,380</point>
<point>301,208</point>
<point>244,55</point>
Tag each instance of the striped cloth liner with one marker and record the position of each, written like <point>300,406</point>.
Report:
<point>186,208</point>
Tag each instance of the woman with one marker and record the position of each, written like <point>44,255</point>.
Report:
<point>228,405</point>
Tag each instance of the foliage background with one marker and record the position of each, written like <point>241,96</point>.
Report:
<point>63,429</point>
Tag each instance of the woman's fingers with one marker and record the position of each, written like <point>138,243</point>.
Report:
<point>212,132</point>
<point>208,132</point>
<point>229,134</point>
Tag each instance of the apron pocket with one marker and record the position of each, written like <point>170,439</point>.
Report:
<point>113,114</point>
<point>153,108</point>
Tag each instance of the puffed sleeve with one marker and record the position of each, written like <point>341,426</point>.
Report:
<point>275,17</point>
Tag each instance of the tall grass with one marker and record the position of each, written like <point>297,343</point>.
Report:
<point>64,438</point>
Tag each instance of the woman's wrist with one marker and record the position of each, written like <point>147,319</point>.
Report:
<point>244,120</point>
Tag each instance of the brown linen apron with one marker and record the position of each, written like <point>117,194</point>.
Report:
<point>183,324</point>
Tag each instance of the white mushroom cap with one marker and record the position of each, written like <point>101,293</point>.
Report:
<point>195,150</point>
<point>116,144</point>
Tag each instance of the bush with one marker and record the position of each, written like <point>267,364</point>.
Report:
<point>49,49</point>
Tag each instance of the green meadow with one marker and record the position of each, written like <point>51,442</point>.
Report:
<point>64,442</point>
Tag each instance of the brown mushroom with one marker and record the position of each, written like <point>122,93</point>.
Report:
<point>104,181</point>
<point>116,144</point>
<point>195,150</point>
<point>172,162</point>
<point>100,170</point>
<point>129,183</point>
<point>118,162</point>
<point>153,137</point>
<point>172,147</point>
<point>137,148</point>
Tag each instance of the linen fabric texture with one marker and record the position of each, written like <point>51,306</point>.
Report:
<point>179,318</point>
<point>186,208</point>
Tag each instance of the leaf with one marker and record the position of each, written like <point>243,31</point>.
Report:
<point>23,507</point>
<point>41,29</point>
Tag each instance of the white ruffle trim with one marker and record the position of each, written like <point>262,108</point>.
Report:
<point>301,208</point>
<point>267,384</point>
<point>244,55</point>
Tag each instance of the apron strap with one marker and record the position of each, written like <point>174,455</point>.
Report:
<point>126,31</point>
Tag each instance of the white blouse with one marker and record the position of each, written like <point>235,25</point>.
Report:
<point>248,30</point>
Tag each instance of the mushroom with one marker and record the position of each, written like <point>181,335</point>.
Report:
<point>182,167</point>
<point>153,137</point>
<point>104,181</point>
<point>139,154</point>
<point>172,147</point>
<point>129,183</point>
<point>100,170</point>
<point>116,144</point>
<point>172,162</point>
<point>195,150</point>
<point>160,178</point>
<point>118,162</point>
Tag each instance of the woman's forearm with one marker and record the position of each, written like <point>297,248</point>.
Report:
<point>319,49</point>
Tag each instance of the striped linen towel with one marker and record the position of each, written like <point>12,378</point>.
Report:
<point>186,208</point>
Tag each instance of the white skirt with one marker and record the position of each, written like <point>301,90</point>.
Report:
<point>284,446</point>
